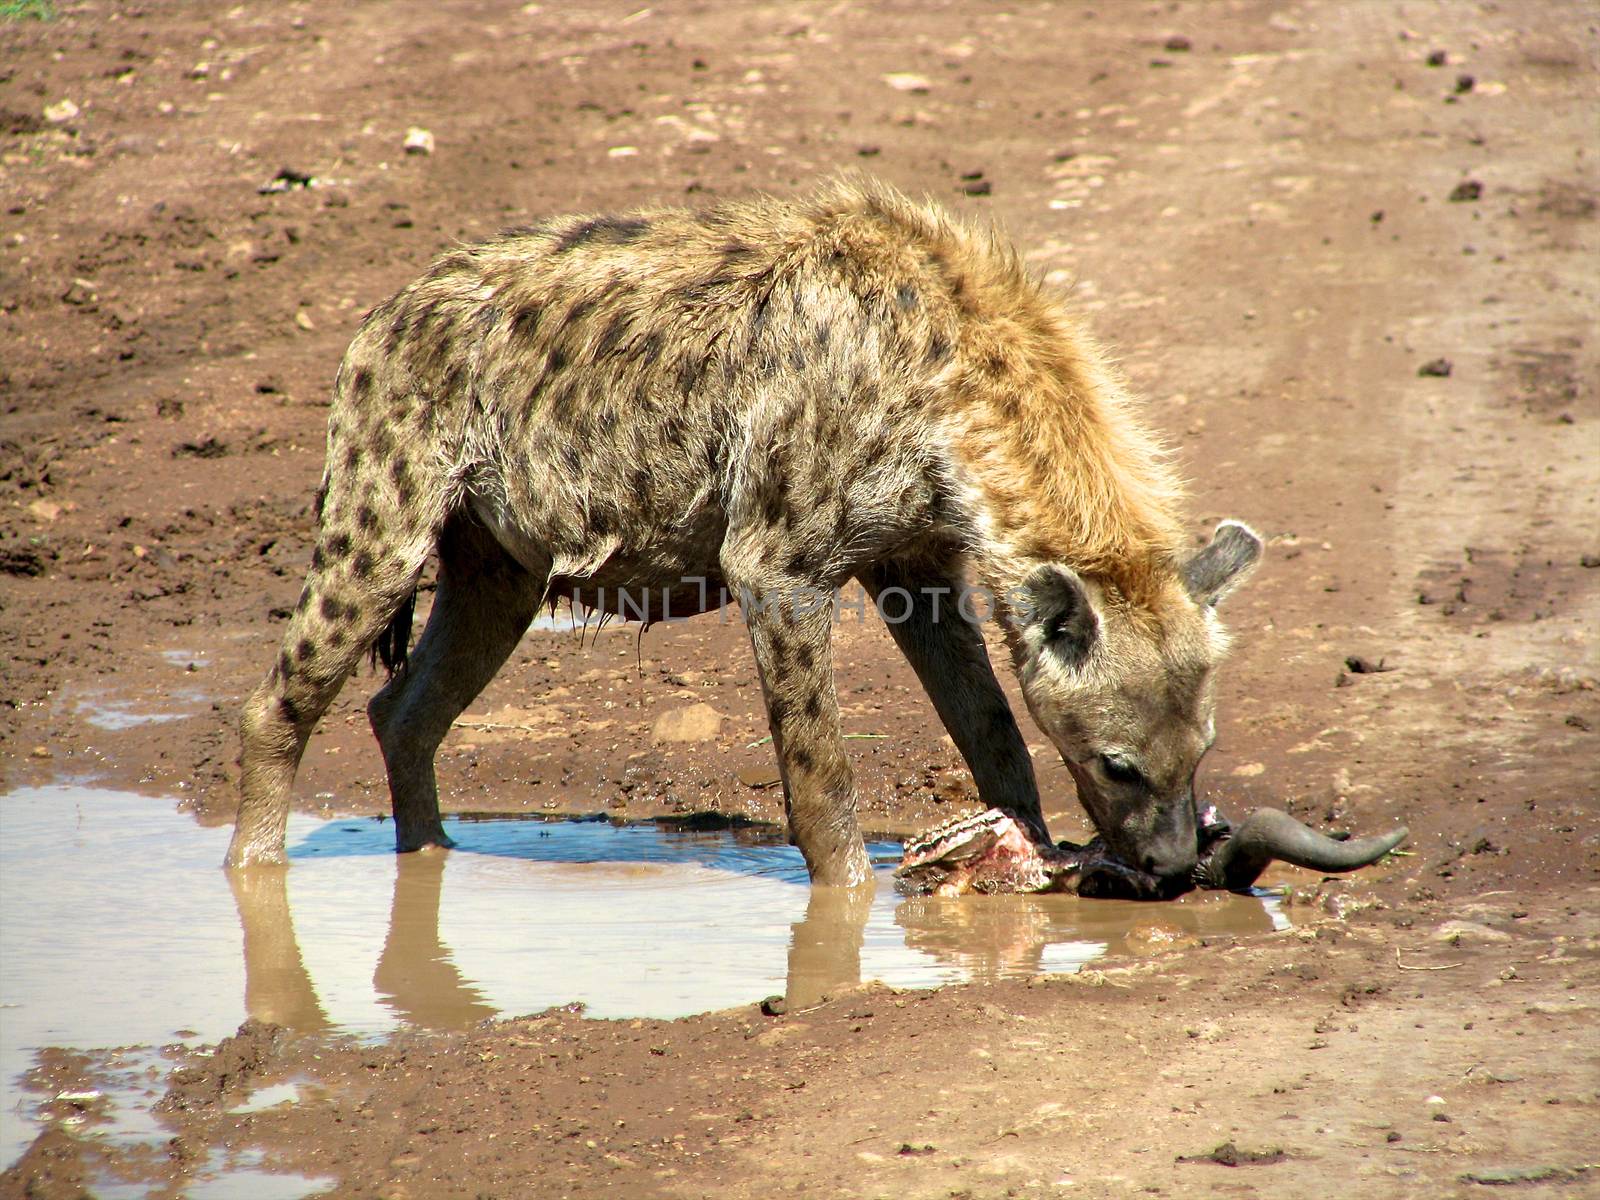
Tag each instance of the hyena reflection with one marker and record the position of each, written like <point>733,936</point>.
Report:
<point>774,397</point>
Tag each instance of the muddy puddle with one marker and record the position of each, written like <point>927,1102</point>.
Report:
<point>118,927</point>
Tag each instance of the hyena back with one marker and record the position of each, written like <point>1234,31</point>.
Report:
<point>772,397</point>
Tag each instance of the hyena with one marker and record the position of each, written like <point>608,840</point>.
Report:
<point>772,397</point>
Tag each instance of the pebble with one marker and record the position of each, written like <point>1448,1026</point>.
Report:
<point>63,110</point>
<point>418,140</point>
<point>694,723</point>
<point>905,81</point>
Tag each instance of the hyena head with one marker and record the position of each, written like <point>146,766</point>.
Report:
<point>1126,693</point>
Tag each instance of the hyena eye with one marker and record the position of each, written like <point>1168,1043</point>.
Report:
<point>1119,770</point>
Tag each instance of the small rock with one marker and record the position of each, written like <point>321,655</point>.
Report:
<point>622,152</point>
<point>303,319</point>
<point>41,752</point>
<point>1230,1155</point>
<point>418,140</point>
<point>981,187</point>
<point>287,180</point>
<point>44,510</point>
<point>1177,44</point>
<point>1467,189</point>
<point>63,110</point>
<point>1460,933</point>
<point>905,81</point>
<point>695,723</point>
<point>1438,58</point>
<point>1439,368</point>
<point>1464,84</point>
<point>81,291</point>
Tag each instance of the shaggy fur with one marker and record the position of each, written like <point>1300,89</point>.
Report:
<point>767,396</point>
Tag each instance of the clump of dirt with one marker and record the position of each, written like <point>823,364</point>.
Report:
<point>229,1070</point>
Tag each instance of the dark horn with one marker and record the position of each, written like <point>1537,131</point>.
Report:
<point>1267,834</point>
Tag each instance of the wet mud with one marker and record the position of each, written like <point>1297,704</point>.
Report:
<point>1250,202</point>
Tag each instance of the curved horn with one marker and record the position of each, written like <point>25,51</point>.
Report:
<point>1267,834</point>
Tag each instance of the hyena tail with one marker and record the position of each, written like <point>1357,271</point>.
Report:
<point>392,646</point>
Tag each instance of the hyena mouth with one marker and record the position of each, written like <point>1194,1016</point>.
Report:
<point>990,852</point>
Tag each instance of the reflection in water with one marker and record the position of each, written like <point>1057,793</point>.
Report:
<point>1004,937</point>
<point>277,987</point>
<point>118,927</point>
<point>825,947</point>
<point>415,976</point>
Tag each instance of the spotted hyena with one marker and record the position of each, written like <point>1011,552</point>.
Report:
<point>773,397</point>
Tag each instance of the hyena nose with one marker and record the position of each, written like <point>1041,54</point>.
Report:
<point>1173,862</point>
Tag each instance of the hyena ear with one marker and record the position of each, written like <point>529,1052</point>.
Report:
<point>1223,565</point>
<point>1059,614</point>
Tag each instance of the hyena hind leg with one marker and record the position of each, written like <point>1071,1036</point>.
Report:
<point>353,593</point>
<point>484,603</point>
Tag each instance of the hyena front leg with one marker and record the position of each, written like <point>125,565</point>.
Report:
<point>791,630</point>
<point>921,606</point>
<point>482,607</point>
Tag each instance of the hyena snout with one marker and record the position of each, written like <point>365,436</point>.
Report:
<point>1171,850</point>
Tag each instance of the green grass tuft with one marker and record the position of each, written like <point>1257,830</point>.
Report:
<point>21,10</point>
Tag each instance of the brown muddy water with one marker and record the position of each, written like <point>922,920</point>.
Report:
<point>118,927</point>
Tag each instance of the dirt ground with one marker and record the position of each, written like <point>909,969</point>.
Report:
<point>1347,251</point>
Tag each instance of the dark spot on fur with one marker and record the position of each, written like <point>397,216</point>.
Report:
<point>805,658</point>
<point>557,360</point>
<point>284,666</point>
<point>287,708</point>
<point>995,363</point>
<point>639,484</point>
<point>672,429</point>
<point>611,337</point>
<point>569,455</point>
<point>799,564</point>
<point>650,350</point>
<point>906,297</point>
<point>360,384</point>
<point>801,757</point>
<point>382,442</point>
<point>400,470</point>
<point>777,712</point>
<point>813,706</point>
<point>457,262</point>
<point>352,457</point>
<point>615,231</point>
<point>758,317</point>
<point>824,335</point>
<point>689,371</point>
<point>525,324</point>
<point>397,332</point>
<point>301,604</point>
<point>304,651</point>
<point>331,609</point>
<point>581,308</point>
<point>319,501</point>
<point>367,519</point>
<point>339,545</point>
<point>336,636</point>
<point>775,497</point>
<point>361,566</point>
<point>319,557</point>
